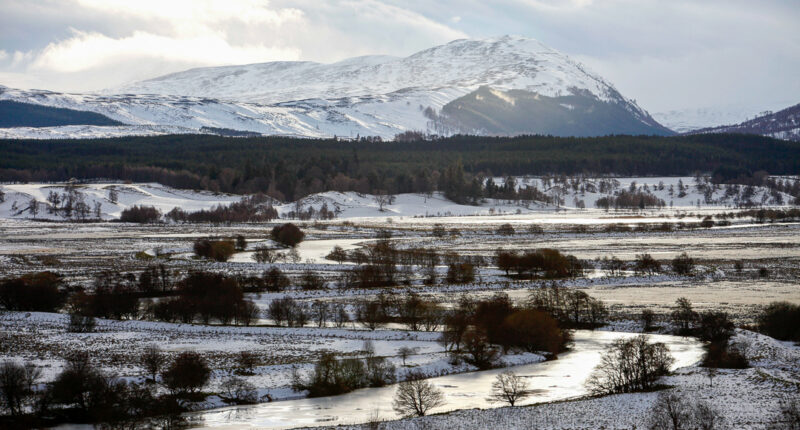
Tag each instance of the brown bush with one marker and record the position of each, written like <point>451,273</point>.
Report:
<point>38,292</point>
<point>287,234</point>
<point>217,250</point>
<point>188,373</point>
<point>533,331</point>
<point>140,214</point>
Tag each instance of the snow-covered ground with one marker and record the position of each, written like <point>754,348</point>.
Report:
<point>91,131</point>
<point>746,399</point>
<point>354,205</point>
<point>79,251</point>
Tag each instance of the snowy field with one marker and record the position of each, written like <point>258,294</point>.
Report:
<point>740,266</point>
<point>574,204</point>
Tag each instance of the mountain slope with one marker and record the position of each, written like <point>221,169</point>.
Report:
<point>16,114</point>
<point>367,96</point>
<point>784,124</point>
<point>515,112</point>
<point>687,120</point>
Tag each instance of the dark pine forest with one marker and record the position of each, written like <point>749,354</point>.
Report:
<point>290,168</point>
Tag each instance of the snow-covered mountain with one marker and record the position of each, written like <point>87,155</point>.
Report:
<point>784,124</point>
<point>686,120</point>
<point>375,95</point>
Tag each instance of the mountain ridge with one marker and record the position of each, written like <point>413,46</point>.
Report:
<point>783,124</point>
<point>372,95</point>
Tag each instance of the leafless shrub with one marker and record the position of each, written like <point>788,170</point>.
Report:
<point>237,390</point>
<point>152,360</point>
<point>416,396</point>
<point>510,388</point>
<point>630,365</point>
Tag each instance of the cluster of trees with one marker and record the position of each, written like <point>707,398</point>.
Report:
<point>713,327</point>
<point>206,296</point>
<point>410,309</point>
<point>288,169</point>
<point>630,365</point>
<point>673,411</point>
<point>333,375</point>
<point>630,200</point>
<point>292,313</point>
<point>645,264</point>
<point>545,262</point>
<point>70,204</point>
<point>255,208</point>
<point>781,320</point>
<point>771,215</point>
<point>140,214</point>
<point>473,328</point>
<point>113,296</point>
<point>39,292</point>
<point>82,393</point>
<point>217,250</point>
<point>382,264</point>
<point>759,178</point>
<point>571,308</point>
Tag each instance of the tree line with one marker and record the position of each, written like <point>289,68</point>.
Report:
<point>288,169</point>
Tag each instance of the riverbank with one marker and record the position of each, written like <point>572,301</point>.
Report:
<point>746,399</point>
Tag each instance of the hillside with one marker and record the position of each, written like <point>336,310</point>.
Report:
<point>784,124</point>
<point>369,96</point>
<point>16,114</point>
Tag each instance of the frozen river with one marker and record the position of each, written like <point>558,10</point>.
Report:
<point>552,380</point>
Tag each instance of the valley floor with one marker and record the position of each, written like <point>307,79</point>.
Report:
<point>739,268</point>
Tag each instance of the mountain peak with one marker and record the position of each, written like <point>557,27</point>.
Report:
<point>380,95</point>
<point>505,62</point>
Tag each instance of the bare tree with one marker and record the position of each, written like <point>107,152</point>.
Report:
<point>647,318</point>
<point>706,417</point>
<point>237,390</point>
<point>263,255</point>
<point>711,372</point>
<point>337,254</point>
<point>670,412</point>
<point>683,316</point>
<point>340,315</point>
<point>33,207</point>
<point>416,396</point>
<point>509,387</point>
<point>246,361</point>
<point>404,352</point>
<point>16,385</point>
<point>293,256</point>
<point>382,198</point>
<point>54,199</point>
<point>152,360</point>
<point>374,420</point>
<point>630,365</point>
<point>321,310</point>
<point>113,195</point>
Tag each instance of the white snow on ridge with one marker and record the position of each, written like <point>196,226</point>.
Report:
<point>91,131</point>
<point>508,62</point>
<point>366,96</point>
<point>686,120</point>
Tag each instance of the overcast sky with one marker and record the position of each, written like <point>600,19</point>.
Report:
<point>666,54</point>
